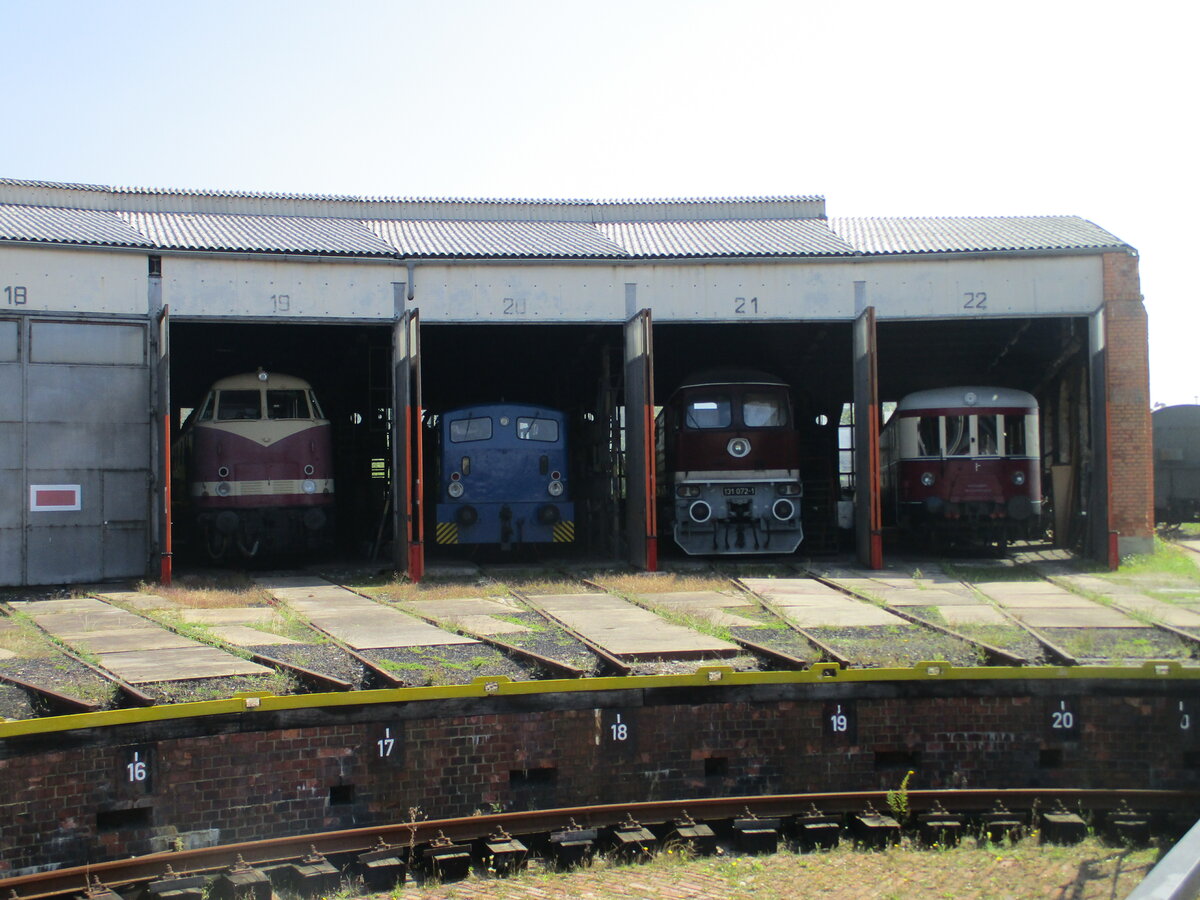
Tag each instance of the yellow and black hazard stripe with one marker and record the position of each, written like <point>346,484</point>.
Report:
<point>447,532</point>
<point>564,532</point>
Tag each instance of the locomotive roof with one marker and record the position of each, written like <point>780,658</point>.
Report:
<point>248,380</point>
<point>979,396</point>
<point>500,405</point>
<point>729,375</point>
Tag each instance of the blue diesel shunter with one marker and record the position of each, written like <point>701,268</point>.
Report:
<point>502,476</point>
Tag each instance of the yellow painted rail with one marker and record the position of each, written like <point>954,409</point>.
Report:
<point>500,686</point>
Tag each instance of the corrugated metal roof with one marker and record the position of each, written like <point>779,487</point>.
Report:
<point>781,237</point>
<point>257,234</point>
<point>495,239</point>
<point>973,234</point>
<point>135,199</point>
<point>67,226</point>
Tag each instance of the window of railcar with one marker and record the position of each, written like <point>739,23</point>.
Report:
<point>207,407</point>
<point>989,444</point>
<point>531,428</point>
<point>764,410</point>
<point>712,411</point>
<point>929,436</point>
<point>318,413</point>
<point>958,436</point>
<point>1014,436</point>
<point>237,405</point>
<point>478,428</point>
<point>287,404</point>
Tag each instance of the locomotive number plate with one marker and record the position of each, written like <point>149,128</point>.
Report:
<point>738,491</point>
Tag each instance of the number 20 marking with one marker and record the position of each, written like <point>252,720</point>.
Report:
<point>975,300</point>
<point>1062,718</point>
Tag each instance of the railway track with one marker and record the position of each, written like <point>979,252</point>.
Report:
<point>316,863</point>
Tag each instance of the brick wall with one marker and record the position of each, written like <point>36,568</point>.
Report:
<point>77,798</point>
<point>1131,452</point>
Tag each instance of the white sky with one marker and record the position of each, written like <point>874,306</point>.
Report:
<point>884,108</point>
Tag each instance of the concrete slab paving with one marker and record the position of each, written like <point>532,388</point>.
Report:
<point>711,606</point>
<point>979,614</point>
<point>626,630</point>
<point>1051,606</point>
<point>1178,615</point>
<point>244,636</point>
<point>116,640</point>
<point>137,600</point>
<point>180,664</point>
<point>478,615</point>
<point>360,622</point>
<point>1099,617</point>
<point>134,648</point>
<point>230,615</point>
<point>810,604</point>
<point>7,654</point>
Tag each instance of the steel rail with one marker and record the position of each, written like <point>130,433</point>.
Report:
<point>134,696</point>
<point>997,654</point>
<point>211,860</point>
<point>826,651</point>
<point>522,655</point>
<point>615,663</point>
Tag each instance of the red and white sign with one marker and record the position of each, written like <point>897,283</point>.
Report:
<point>55,498</point>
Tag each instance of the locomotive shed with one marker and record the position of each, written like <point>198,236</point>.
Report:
<point>120,301</point>
<point>121,306</point>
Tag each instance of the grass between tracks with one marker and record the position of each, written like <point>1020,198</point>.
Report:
<point>1086,871</point>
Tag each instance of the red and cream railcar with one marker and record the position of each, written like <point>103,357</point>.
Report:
<point>729,465</point>
<point>964,462</point>
<point>259,462</point>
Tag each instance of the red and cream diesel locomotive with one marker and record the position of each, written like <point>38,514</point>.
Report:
<point>964,462</point>
<point>728,463</point>
<point>259,463</point>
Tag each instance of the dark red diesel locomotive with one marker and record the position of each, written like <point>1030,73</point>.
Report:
<point>259,463</point>
<point>728,462</point>
<point>963,463</point>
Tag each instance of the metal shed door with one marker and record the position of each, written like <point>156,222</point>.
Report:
<point>641,516</point>
<point>407,459</point>
<point>75,417</point>
<point>867,507</point>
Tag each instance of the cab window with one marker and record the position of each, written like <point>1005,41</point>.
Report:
<point>287,405</point>
<point>236,405</point>
<point>958,436</point>
<point>988,443</point>
<point>206,408</point>
<point>763,410</point>
<point>929,441</point>
<point>530,428</point>
<point>475,429</point>
<point>708,412</point>
<point>1014,436</point>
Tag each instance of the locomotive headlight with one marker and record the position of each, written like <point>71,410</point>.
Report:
<point>309,486</point>
<point>308,470</point>
<point>554,488</point>
<point>223,472</point>
<point>687,490</point>
<point>783,510</point>
<point>223,489</point>
<point>455,489</point>
<point>738,447</point>
<point>788,489</point>
<point>700,511</point>
<point>927,479</point>
<point>1018,478</point>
